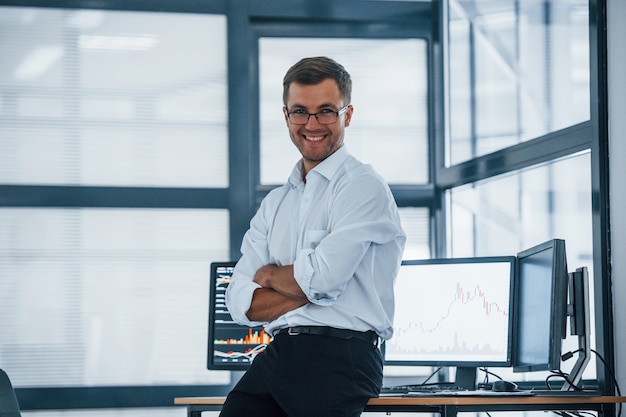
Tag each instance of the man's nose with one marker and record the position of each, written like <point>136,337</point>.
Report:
<point>312,122</point>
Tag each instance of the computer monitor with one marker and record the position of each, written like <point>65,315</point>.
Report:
<point>454,312</point>
<point>540,307</point>
<point>231,346</point>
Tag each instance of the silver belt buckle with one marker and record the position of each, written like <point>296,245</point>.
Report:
<point>292,332</point>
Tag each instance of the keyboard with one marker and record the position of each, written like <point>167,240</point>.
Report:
<point>425,388</point>
<point>469,393</point>
<point>559,393</point>
<point>446,390</point>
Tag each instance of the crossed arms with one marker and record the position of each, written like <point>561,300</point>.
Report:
<point>280,293</point>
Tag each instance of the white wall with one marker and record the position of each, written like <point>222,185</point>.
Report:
<point>617,150</point>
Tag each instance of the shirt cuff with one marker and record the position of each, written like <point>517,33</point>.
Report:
<point>303,272</point>
<point>239,306</point>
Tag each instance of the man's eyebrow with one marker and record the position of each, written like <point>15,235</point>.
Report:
<point>326,106</point>
<point>321,106</point>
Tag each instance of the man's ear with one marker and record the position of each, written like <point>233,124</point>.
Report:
<point>348,116</point>
<point>286,116</point>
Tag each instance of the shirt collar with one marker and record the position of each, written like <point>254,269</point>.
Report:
<point>330,165</point>
<point>327,168</point>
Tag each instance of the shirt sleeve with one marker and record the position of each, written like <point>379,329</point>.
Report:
<point>363,213</point>
<point>239,295</point>
<point>255,254</point>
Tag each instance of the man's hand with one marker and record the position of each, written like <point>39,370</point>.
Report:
<point>279,278</point>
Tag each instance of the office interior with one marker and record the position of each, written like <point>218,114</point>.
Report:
<point>137,139</point>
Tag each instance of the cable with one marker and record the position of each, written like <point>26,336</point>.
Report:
<point>570,354</point>
<point>562,413</point>
<point>610,371</point>
<point>431,375</point>
<point>561,374</point>
<point>565,376</point>
<point>487,373</point>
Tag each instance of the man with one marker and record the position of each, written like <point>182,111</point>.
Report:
<point>318,265</point>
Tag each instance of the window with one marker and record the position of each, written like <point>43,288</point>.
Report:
<point>518,70</point>
<point>107,297</point>
<point>94,97</point>
<point>389,98</point>
<point>511,212</point>
<point>520,149</point>
<point>113,139</point>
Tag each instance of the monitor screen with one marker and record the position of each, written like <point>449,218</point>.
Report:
<point>541,307</point>
<point>231,346</point>
<point>453,312</point>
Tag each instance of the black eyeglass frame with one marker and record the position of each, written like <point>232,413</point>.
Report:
<point>336,113</point>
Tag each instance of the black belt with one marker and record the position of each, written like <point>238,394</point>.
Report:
<point>369,336</point>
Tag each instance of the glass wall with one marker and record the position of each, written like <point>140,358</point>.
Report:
<point>511,212</point>
<point>519,73</point>
<point>517,70</point>
<point>514,211</point>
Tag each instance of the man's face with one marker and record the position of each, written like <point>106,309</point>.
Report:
<point>316,141</point>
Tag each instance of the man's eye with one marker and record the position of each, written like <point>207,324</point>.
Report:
<point>327,111</point>
<point>300,111</point>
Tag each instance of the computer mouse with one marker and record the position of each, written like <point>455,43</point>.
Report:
<point>503,386</point>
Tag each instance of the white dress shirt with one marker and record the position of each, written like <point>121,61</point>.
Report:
<point>341,231</point>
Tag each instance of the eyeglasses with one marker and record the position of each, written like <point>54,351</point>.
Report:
<point>325,117</point>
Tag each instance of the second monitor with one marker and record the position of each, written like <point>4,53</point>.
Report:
<point>454,312</point>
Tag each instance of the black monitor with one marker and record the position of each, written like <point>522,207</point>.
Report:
<point>454,312</point>
<point>231,346</point>
<point>541,307</point>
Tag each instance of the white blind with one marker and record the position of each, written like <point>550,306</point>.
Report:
<point>94,97</point>
<point>389,127</point>
<point>416,225</point>
<point>107,296</point>
<point>110,297</point>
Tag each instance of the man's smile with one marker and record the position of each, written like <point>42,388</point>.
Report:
<point>314,138</point>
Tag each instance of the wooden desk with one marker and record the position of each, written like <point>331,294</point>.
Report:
<point>447,406</point>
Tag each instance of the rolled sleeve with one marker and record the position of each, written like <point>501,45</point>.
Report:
<point>364,216</point>
<point>303,271</point>
<point>238,300</point>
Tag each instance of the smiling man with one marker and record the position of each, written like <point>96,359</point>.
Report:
<point>318,265</point>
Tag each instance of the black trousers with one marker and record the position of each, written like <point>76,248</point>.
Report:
<point>308,376</point>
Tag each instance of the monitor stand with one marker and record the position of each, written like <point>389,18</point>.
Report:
<point>465,378</point>
<point>580,325</point>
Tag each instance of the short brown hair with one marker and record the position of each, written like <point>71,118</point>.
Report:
<point>314,70</point>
